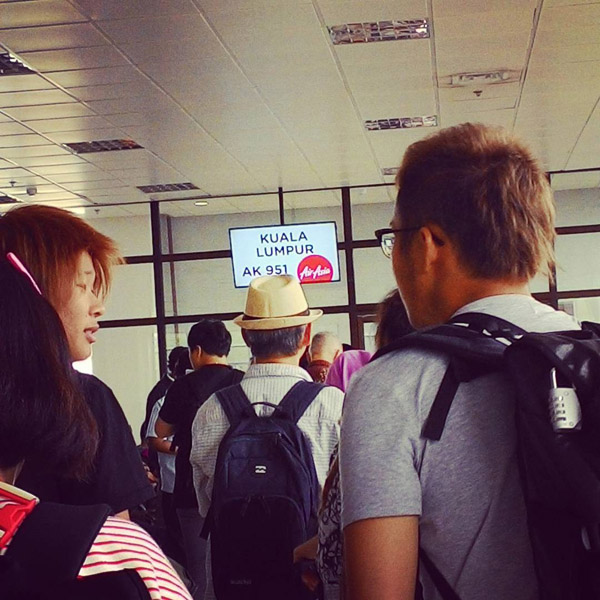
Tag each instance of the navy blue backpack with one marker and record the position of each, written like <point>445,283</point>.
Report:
<point>265,497</point>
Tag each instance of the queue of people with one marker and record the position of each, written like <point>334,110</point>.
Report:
<point>268,487</point>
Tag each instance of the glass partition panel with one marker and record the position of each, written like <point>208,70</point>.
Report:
<point>539,284</point>
<point>329,294</point>
<point>372,208</point>
<point>312,207</point>
<point>336,323</point>
<point>126,359</point>
<point>205,228</point>
<point>129,226</point>
<point>578,258</point>
<point>583,309</point>
<point>132,293</point>
<point>373,275</point>
<point>239,355</point>
<point>203,287</point>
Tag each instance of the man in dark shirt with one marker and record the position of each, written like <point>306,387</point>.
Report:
<point>73,263</point>
<point>209,343</point>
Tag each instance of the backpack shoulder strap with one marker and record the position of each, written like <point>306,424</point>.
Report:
<point>299,398</point>
<point>475,344</point>
<point>54,540</point>
<point>235,404</point>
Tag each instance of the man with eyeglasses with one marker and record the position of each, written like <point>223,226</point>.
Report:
<point>473,224</point>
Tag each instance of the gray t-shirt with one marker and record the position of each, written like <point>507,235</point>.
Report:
<point>465,488</point>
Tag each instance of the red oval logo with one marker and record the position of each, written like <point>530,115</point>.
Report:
<point>315,269</point>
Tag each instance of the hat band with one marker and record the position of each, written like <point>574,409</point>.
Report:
<point>304,313</point>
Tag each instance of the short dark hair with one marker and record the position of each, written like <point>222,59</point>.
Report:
<point>174,356</point>
<point>488,193</point>
<point>392,320</point>
<point>45,420</point>
<point>211,335</point>
<point>264,343</point>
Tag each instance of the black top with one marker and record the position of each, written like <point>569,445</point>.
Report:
<point>157,392</point>
<point>118,477</point>
<point>182,402</point>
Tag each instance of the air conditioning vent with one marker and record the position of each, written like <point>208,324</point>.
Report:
<point>167,187</point>
<point>379,31</point>
<point>401,123</point>
<point>9,65</point>
<point>389,171</point>
<point>102,146</point>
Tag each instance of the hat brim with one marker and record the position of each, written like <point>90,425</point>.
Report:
<point>278,322</point>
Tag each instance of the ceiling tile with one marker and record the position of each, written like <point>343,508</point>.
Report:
<point>54,37</point>
<point>112,91</point>
<point>13,141</point>
<point>79,58</point>
<point>69,124</point>
<point>87,135</point>
<point>81,167</point>
<point>49,111</point>
<point>41,12</point>
<point>78,177</point>
<point>29,151</point>
<point>12,128</point>
<point>31,98</point>
<point>117,9</point>
<point>23,83</point>
<point>63,159</point>
<point>102,76</point>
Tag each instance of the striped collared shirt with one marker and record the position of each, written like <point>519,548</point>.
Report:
<point>265,383</point>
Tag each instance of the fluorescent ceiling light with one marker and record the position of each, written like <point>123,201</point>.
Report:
<point>102,146</point>
<point>379,31</point>
<point>201,203</point>
<point>401,123</point>
<point>167,187</point>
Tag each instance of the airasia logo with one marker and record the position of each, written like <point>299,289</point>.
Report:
<point>315,269</point>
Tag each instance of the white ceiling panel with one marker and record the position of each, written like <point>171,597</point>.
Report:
<point>13,128</point>
<point>13,141</point>
<point>100,188</point>
<point>574,181</point>
<point>22,83</point>
<point>117,9</point>
<point>586,152</point>
<point>362,11</point>
<point>30,151</point>
<point>69,124</point>
<point>41,12</point>
<point>160,29</point>
<point>112,91</point>
<point>49,111</point>
<point>55,37</point>
<point>86,176</point>
<point>30,98</point>
<point>81,167</point>
<point>63,159</point>
<point>80,58</point>
<point>155,101</point>
<point>14,173</point>
<point>88,77</point>
<point>87,135</point>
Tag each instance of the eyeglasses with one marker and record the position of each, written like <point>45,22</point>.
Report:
<point>386,238</point>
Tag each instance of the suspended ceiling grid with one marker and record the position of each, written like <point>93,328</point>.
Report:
<point>245,96</point>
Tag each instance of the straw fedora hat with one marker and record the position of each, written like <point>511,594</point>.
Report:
<point>276,302</point>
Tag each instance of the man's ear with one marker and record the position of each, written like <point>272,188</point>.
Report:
<point>306,337</point>
<point>434,243</point>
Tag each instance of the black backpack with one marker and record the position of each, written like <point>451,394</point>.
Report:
<point>45,555</point>
<point>265,497</point>
<point>560,471</point>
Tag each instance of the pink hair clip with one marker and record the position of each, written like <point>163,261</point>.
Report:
<point>12,258</point>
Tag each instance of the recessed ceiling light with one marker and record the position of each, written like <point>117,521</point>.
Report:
<point>166,187</point>
<point>9,65</point>
<point>379,31</point>
<point>389,171</point>
<point>201,203</point>
<point>102,146</point>
<point>401,123</point>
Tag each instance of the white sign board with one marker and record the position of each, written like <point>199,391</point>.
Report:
<point>308,251</point>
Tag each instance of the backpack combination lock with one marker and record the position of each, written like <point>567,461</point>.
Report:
<point>565,410</point>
